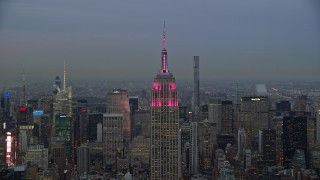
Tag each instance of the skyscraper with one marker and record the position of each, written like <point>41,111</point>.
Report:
<point>63,129</point>
<point>112,138</point>
<point>164,123</point>
<point>318,123</point>
<point>267,146</point>
<point>62,102</point>
<point>118,102</point>
<point>254,116</point>
<point>6,105</point>
<point>294,136</point>
<point>83,160</point>
<point>196,95</point>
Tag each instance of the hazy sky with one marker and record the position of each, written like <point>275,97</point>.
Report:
<point>112,39</point>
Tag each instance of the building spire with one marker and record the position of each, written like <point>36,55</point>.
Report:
<point>164,36</point>
<point>64,76</point>
<point>164,61</point>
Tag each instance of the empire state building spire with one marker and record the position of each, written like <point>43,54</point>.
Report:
<point>164,60</point>
<point>164,36</point>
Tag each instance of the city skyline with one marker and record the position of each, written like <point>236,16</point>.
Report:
<point>243,40</point>
<point>169,132</point>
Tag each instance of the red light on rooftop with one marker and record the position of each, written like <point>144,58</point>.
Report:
<point>23,109</point>
<point>83,110</point>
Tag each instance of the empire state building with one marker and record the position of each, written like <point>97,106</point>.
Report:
<point>164,122</point>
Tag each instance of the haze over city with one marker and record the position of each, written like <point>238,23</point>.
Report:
<point>120,40</point>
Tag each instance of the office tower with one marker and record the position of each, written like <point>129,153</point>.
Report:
<point>242,139</point>
<point>22,116</point>
<point>204,112</point>
<point>94,120</point>
<point>99,132</point>
<point>96,157</point>
<point>79,127</point>
<point>183,113</point>
<point>46,104</point>
<point>164,123</point>
<point>247,159</point>
<point>179,153</point>
<point>185,139</point>
<point>196,94</point>
<point>311,132</point>
<point>23,141</point>
<point>6,111</point>
<point>37,155</point>
<point>6,104</point>
<point>140,152</point>
<point>206,133</point>
<point>294,136</point>
<point>81,122</point>
<point>254,116</point>
<point>118,102</point>
<point>83,156</point>
<point>112,138</point>
<point>214,112</point>
<point>268,146</point>
<point>277,124</point>
<point>227,117</point>
<point>142,123</point>
<point>63,103</point>
<point>134,106</point>
<point>194,148</point>
<point>45,130</point>
<point>59,156</point>
<point>63,129</point>
<point>318,123</point>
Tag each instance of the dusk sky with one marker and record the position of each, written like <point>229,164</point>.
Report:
<point>121,40</point>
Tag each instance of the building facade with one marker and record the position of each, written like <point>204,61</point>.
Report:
<point>164,123</point>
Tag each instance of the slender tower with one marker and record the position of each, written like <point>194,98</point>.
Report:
<point>164,122</point>
<point>64,76</point>
<point>24,100</point>
<point>196,95</point>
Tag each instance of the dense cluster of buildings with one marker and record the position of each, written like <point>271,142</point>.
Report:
<point>255,135</point>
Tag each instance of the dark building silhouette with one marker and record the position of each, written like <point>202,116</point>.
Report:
<point>294,136</point>
<point>268,146</point>
<point>227,117</point>
<point>134,106</point>
<point>94,120</point>
<point>283,106</point>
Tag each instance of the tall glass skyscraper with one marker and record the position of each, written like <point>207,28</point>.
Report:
<point>164,123</point>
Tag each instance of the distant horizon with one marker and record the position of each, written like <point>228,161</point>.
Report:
<point>190,81</point>
<point>247,40</point>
